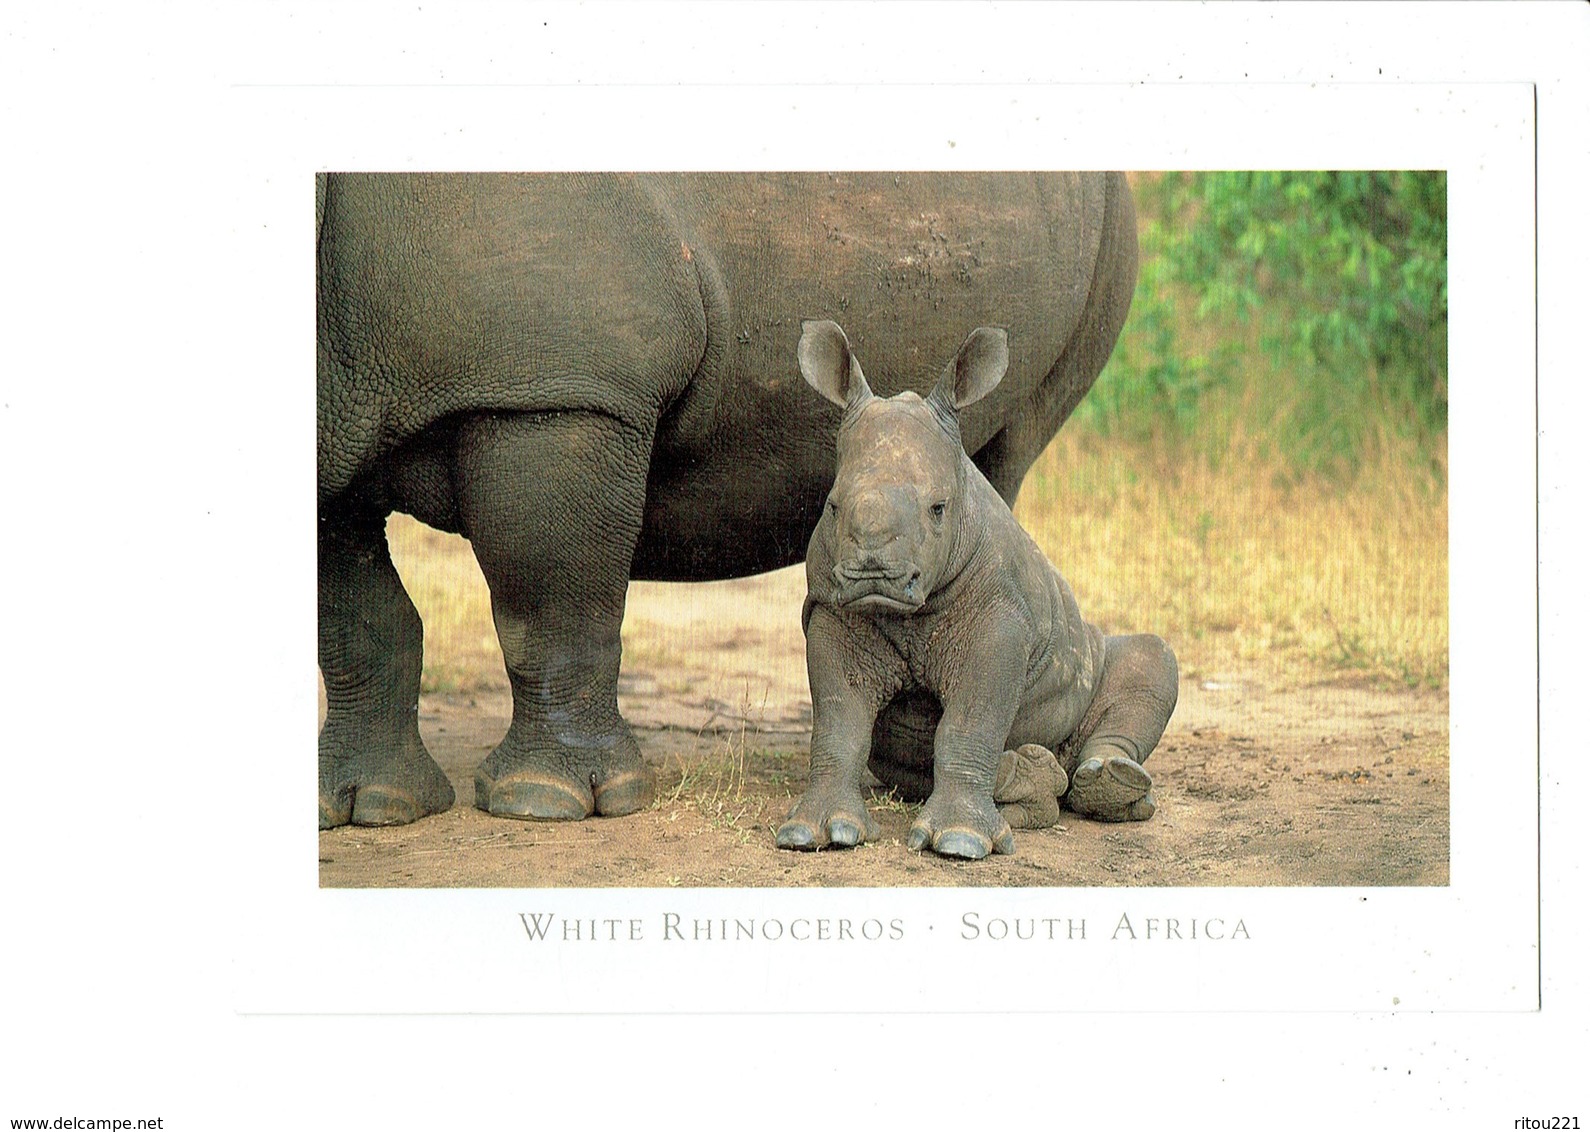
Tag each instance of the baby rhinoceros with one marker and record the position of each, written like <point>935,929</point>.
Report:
<point>945,653</point>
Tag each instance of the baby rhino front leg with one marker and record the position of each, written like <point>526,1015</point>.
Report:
<point>844,708</point>
<point>832,810</point>
<point>961,818</point>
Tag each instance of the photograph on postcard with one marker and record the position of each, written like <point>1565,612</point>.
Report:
<point>883,529</point>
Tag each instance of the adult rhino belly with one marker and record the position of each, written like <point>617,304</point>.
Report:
<point>909,263</point>
<point>733,512</point>
<point>442,294</point>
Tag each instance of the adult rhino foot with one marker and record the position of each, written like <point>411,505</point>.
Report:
<point>1028,785</point>
<point>562,788</point>
<point>381,789</point>
<point>1113,788</point>
<point>824,818</point>
<point>961,824</point>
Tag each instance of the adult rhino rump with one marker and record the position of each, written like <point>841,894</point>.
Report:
<point>442,294</point>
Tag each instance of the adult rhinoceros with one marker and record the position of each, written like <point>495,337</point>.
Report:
<point>593,378</point>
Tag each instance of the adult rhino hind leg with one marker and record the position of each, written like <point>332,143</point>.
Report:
<point>374,770</point>
<point>1135,697</point>
<point>552,503</point>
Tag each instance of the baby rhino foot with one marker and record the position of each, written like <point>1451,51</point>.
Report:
<point>961,824</point>
<point>821,818</point>
<point>1028,785</point>
<point>1114,788</point>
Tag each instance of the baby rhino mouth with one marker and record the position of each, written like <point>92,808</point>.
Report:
<point>864,585</point>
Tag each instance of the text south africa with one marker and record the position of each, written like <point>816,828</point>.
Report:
<point>674,927</point>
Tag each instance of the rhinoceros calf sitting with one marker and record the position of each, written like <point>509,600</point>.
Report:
<point>945,653</point>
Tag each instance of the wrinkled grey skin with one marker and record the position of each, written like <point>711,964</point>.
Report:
<point>945,653</point>
<point>592,379</point>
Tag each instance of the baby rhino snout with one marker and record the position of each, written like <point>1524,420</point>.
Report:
<point>872,520</point>
<point>867,581</point>
<point>869,566</point>
<point>871,536</point>
<point>876,560</point>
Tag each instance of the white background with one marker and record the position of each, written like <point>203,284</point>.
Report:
<point>1470,946</point>
<point>157,450</point>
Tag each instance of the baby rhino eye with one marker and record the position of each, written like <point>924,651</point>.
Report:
<point>938,510</point>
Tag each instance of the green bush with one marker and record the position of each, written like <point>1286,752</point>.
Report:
<point>1304,308</point>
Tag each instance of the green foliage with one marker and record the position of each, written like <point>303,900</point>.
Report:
<point>1305,308</point>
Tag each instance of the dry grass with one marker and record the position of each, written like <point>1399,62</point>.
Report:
<point>1236,563</point>
<point>716,785</point>
<point>441,575</point>
<point>1231,562</point>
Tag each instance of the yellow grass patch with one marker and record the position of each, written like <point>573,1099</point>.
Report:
<point>1237,563</point>
<point>1230,564</point>
<point>441,575</point>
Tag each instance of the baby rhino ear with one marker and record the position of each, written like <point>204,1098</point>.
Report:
<point>978,367</point>
<point>828,365</point>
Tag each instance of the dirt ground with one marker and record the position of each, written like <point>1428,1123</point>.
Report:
<point>1263,778</point>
